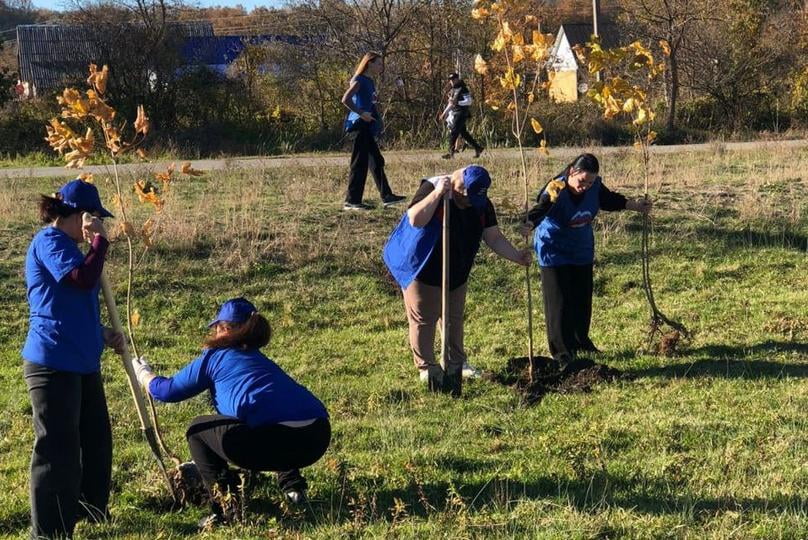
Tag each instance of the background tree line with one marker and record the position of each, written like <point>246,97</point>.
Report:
<point>735,67</point>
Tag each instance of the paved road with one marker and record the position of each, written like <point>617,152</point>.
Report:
<point>314,160</point>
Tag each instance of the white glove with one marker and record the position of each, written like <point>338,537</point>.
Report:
<point>143,371</point>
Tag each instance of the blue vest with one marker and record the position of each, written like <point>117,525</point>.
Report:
<point>408,248</point>
<point>565,234</point>
<point>364,99</point>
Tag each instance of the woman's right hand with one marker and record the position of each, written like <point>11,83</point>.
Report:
<point>91,225</point>
<point>443,185</point>
<point>366,116</point>
<point>526,228</point>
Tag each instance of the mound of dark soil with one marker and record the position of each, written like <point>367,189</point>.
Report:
<point>580,375</point>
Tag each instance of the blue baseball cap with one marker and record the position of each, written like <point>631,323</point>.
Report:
<point>477,182</point>
<point>82,195</point>
<point>237,310</point>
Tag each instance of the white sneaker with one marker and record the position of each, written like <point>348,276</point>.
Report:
<point>470,372</point>
<point>423,375</point>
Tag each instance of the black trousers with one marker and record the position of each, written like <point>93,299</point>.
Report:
<point>567,292</point>
<point>458,130</point>
<point>217,440</point>
<point>71,463</point>
<point>366,154</point>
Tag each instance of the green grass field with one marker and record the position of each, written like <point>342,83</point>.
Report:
<point>711,443</point>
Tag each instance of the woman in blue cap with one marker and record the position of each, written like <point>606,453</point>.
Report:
<point>565,247</point>
<point>413,256</point>
<point>72,455</point>
<point>266,421</point>
<point>365,122</point>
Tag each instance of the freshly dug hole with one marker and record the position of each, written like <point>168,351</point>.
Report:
<point>580,375</point>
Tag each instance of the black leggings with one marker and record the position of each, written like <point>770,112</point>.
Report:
<point>217,440</point>
<point>567,292</point>
<point>458,130</point>
<point>366,154</point>
<point>71,463</point>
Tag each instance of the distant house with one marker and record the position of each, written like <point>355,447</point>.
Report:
<point>568,79</point>
<point>50,54</point>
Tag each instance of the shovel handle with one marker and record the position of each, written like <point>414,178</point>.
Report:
<point>444,317</point>
<point>126,357</point>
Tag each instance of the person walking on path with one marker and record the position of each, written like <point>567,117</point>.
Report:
<point>459,107</point>
<point>413,256</point>
<point>71,464</point>
<point>565,248</point>
<point>365,123</point>
<point>265,420</point>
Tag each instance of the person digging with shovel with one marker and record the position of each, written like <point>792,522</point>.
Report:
<point>71,464</point>
<point>266,421</point>
<point>413,254</point>
<point>565,247</point>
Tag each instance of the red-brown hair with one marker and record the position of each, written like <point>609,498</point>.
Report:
<point>363,63</point>
<point>253,333</point>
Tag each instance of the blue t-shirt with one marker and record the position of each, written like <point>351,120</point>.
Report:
<point>244,384</point>
<point>64,330</point>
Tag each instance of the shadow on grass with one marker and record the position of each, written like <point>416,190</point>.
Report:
<point>15,521</point>
<point>344,502</point>
<point>734,362</point>
<point>586,495</point>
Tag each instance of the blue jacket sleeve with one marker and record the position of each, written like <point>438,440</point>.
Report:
<point>191,380</point>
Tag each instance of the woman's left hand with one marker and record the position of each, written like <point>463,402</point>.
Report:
<point>526,257</point>
<point>114,339</point>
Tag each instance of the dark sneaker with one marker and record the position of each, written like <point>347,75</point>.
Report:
<point>355,206</point>
<point>390,200</point>
<point>295,497</point>
<point>212,521</point>
<point>447,156</point>
<point>478,151</point>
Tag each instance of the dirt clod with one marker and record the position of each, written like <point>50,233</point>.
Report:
<point>580,375</point>
<point>188,486</point>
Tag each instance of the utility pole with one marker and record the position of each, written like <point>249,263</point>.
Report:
<point>595,17</point>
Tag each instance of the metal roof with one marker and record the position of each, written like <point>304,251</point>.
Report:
<point>50,54</point>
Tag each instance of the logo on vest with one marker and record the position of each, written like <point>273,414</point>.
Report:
<point>580,218</point>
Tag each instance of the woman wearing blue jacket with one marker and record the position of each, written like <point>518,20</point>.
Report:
<point>266,421</point>
<point>565,247</point>
<point>365,122</point>
<point>71,463</point>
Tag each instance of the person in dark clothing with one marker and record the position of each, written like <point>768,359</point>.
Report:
<point>266,421</point>
<point>413,254</point>
<point>71,463</point>
<point>365,123</point>
<point>565,247</point>
<point>459,110</point>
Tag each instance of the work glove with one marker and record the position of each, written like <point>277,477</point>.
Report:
<point>143,371</point>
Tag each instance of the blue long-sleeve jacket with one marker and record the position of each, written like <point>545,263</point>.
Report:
<point>244,384</point>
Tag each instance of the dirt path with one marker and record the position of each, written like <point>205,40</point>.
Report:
<point>412,156</point>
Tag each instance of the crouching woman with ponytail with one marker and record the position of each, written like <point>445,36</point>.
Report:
<point>266,421</point>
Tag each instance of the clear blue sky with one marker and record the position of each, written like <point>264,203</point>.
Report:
<point>58,5</point>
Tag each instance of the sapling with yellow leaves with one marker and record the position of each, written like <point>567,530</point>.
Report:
<point>623,94</point>
<point>88,125</point>
<point>516,59</point>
